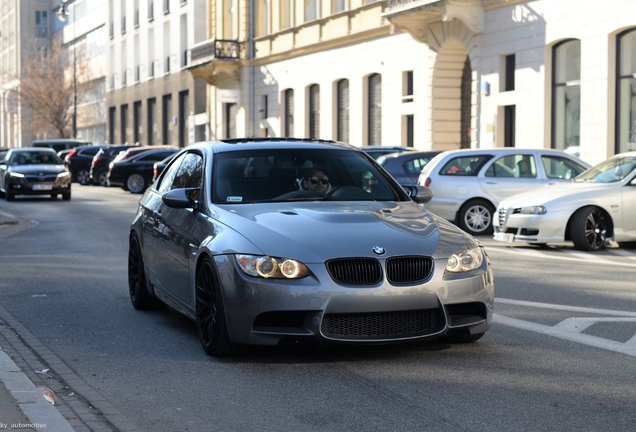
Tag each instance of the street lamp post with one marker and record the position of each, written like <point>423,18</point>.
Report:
<point>62,15</point>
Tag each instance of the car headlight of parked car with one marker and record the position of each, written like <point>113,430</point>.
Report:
<point>16,175</point>
<point>63,174</point>
<point>269,267</point>
<point>531,210</point>
<point>466,260</point>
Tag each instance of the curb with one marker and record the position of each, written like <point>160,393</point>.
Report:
<point>7,219</point>
<point>40,413</point>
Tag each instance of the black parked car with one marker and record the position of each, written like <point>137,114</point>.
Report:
<point>34,171</point>
<point>79,161</point>
<point>405,167</point>
<point>134,173</point>
<point>99,166</point>
<point>158,167</point>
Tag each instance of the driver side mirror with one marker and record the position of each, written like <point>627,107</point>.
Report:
<point>180,198</point>
<point>420,194</point>
<point>633,182</point>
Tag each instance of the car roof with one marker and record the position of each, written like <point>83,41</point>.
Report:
<point>32,149</point>
<point>235,144</point>
<point>411,154</point>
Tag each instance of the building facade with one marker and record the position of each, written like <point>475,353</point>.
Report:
<point>151,97</point>
<point>438,75</point>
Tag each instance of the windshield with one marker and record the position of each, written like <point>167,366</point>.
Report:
<point>612,170</point>
<point>274,175</point>
<point>34,158</point>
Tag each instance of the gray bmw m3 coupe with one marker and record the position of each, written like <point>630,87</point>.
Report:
<point>267,241</point>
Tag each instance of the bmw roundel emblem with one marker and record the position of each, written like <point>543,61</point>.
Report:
<point>378,250</point>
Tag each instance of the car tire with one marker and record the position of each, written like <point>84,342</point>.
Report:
<point>66,196</point>
<point>53,196</point>
<point>210,314</point>
<point>475,217</point>
<point>461,338</point>
<point>84,177</point>
<point>101,178</point>
<point>140,298</point>
<point>589,228</point>
<point>136,183</point>
<point>9,196</point>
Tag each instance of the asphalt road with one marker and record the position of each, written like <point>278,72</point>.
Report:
<point>559,356</point>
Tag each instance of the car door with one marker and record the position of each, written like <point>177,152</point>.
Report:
<point>509,175</point>
<point>174,244</point>
<point>628,193</point>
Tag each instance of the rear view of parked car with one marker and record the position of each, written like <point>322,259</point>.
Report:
<point>79,161</point>
<point>405,167</point>
<point>99,165</point>
<point>135,173</point>
<point>469,184</point>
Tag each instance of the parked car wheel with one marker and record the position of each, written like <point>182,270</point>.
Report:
<point>101,178</point>
<point>139,296</point>
<point>9,196</point>
<point>136,183</point>
<point>475,217</point>
<point>53,196</point>
<point>66,196</point>
<point>589,228</point>
<point>84,177</point>
<point>210,314</point>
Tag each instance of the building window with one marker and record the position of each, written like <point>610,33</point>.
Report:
<point>407,86</point>
<point>112,112</point>
<point>166,103</point>
<point>184,111</point>
<point>136,121</point>
<point>314,111</point>
<point>124,123</point>
<point>509,125</point>
<point>263,17</point>
<point>289,113</point>
<point>231,109</point>
<point>626,92</point>
<point>566,94</point>
<point>152,109</point>
<point>264,112</point>
<point>337,6</point>
<point>466,104</point>
<point>286,14</point>
<point>41,24</point>
<point>311,10</point>
<point>509,83</point>
<point>166,7</point>
<point>409,126</point>
<point>342,128</point>
<point>375,110</point>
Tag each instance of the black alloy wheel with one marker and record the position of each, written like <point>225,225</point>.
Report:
<point>84,177</point>
<point>210,314</point>
<point>139,296</point>
<point>589,228</point>
<point>101,178</point>
<point>135,183</point>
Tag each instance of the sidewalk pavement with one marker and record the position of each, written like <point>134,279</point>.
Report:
<point>22,406</point>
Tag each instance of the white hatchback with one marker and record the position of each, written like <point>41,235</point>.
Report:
<point>469,183</point>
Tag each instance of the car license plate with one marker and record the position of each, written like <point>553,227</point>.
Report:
<point>43,186</point>
<point>504,237</point>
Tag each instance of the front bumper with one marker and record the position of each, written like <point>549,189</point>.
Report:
<point>317,310</point>
<point>23,186</point>
<point>530,228</point>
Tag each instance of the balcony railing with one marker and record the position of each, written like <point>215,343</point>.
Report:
<point>216,48</point>
<point>397,4</point>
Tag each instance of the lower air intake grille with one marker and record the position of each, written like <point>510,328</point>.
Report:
<point>403,270</point>
<point>355,271</point>
<point>380,325</point>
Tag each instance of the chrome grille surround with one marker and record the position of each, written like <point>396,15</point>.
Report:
<point>502,215</point>
<point>381,325</point>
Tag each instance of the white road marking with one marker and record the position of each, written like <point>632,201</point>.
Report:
<point>571,328</point>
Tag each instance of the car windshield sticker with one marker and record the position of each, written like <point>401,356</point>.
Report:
<point>234,199</point>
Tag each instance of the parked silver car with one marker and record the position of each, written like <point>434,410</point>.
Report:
<point>469,184</point>
<point>265,242</point>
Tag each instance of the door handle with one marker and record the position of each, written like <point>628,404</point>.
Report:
<point>491,182</point>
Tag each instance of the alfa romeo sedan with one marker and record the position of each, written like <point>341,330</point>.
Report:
<point>599,205</point>
<point>279,240</point>
<point>34,171</point>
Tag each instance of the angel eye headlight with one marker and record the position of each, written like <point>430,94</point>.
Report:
<point>533,210</point>
<point>466,260</point>
<point>266,266</point>
<point>269,267</point>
